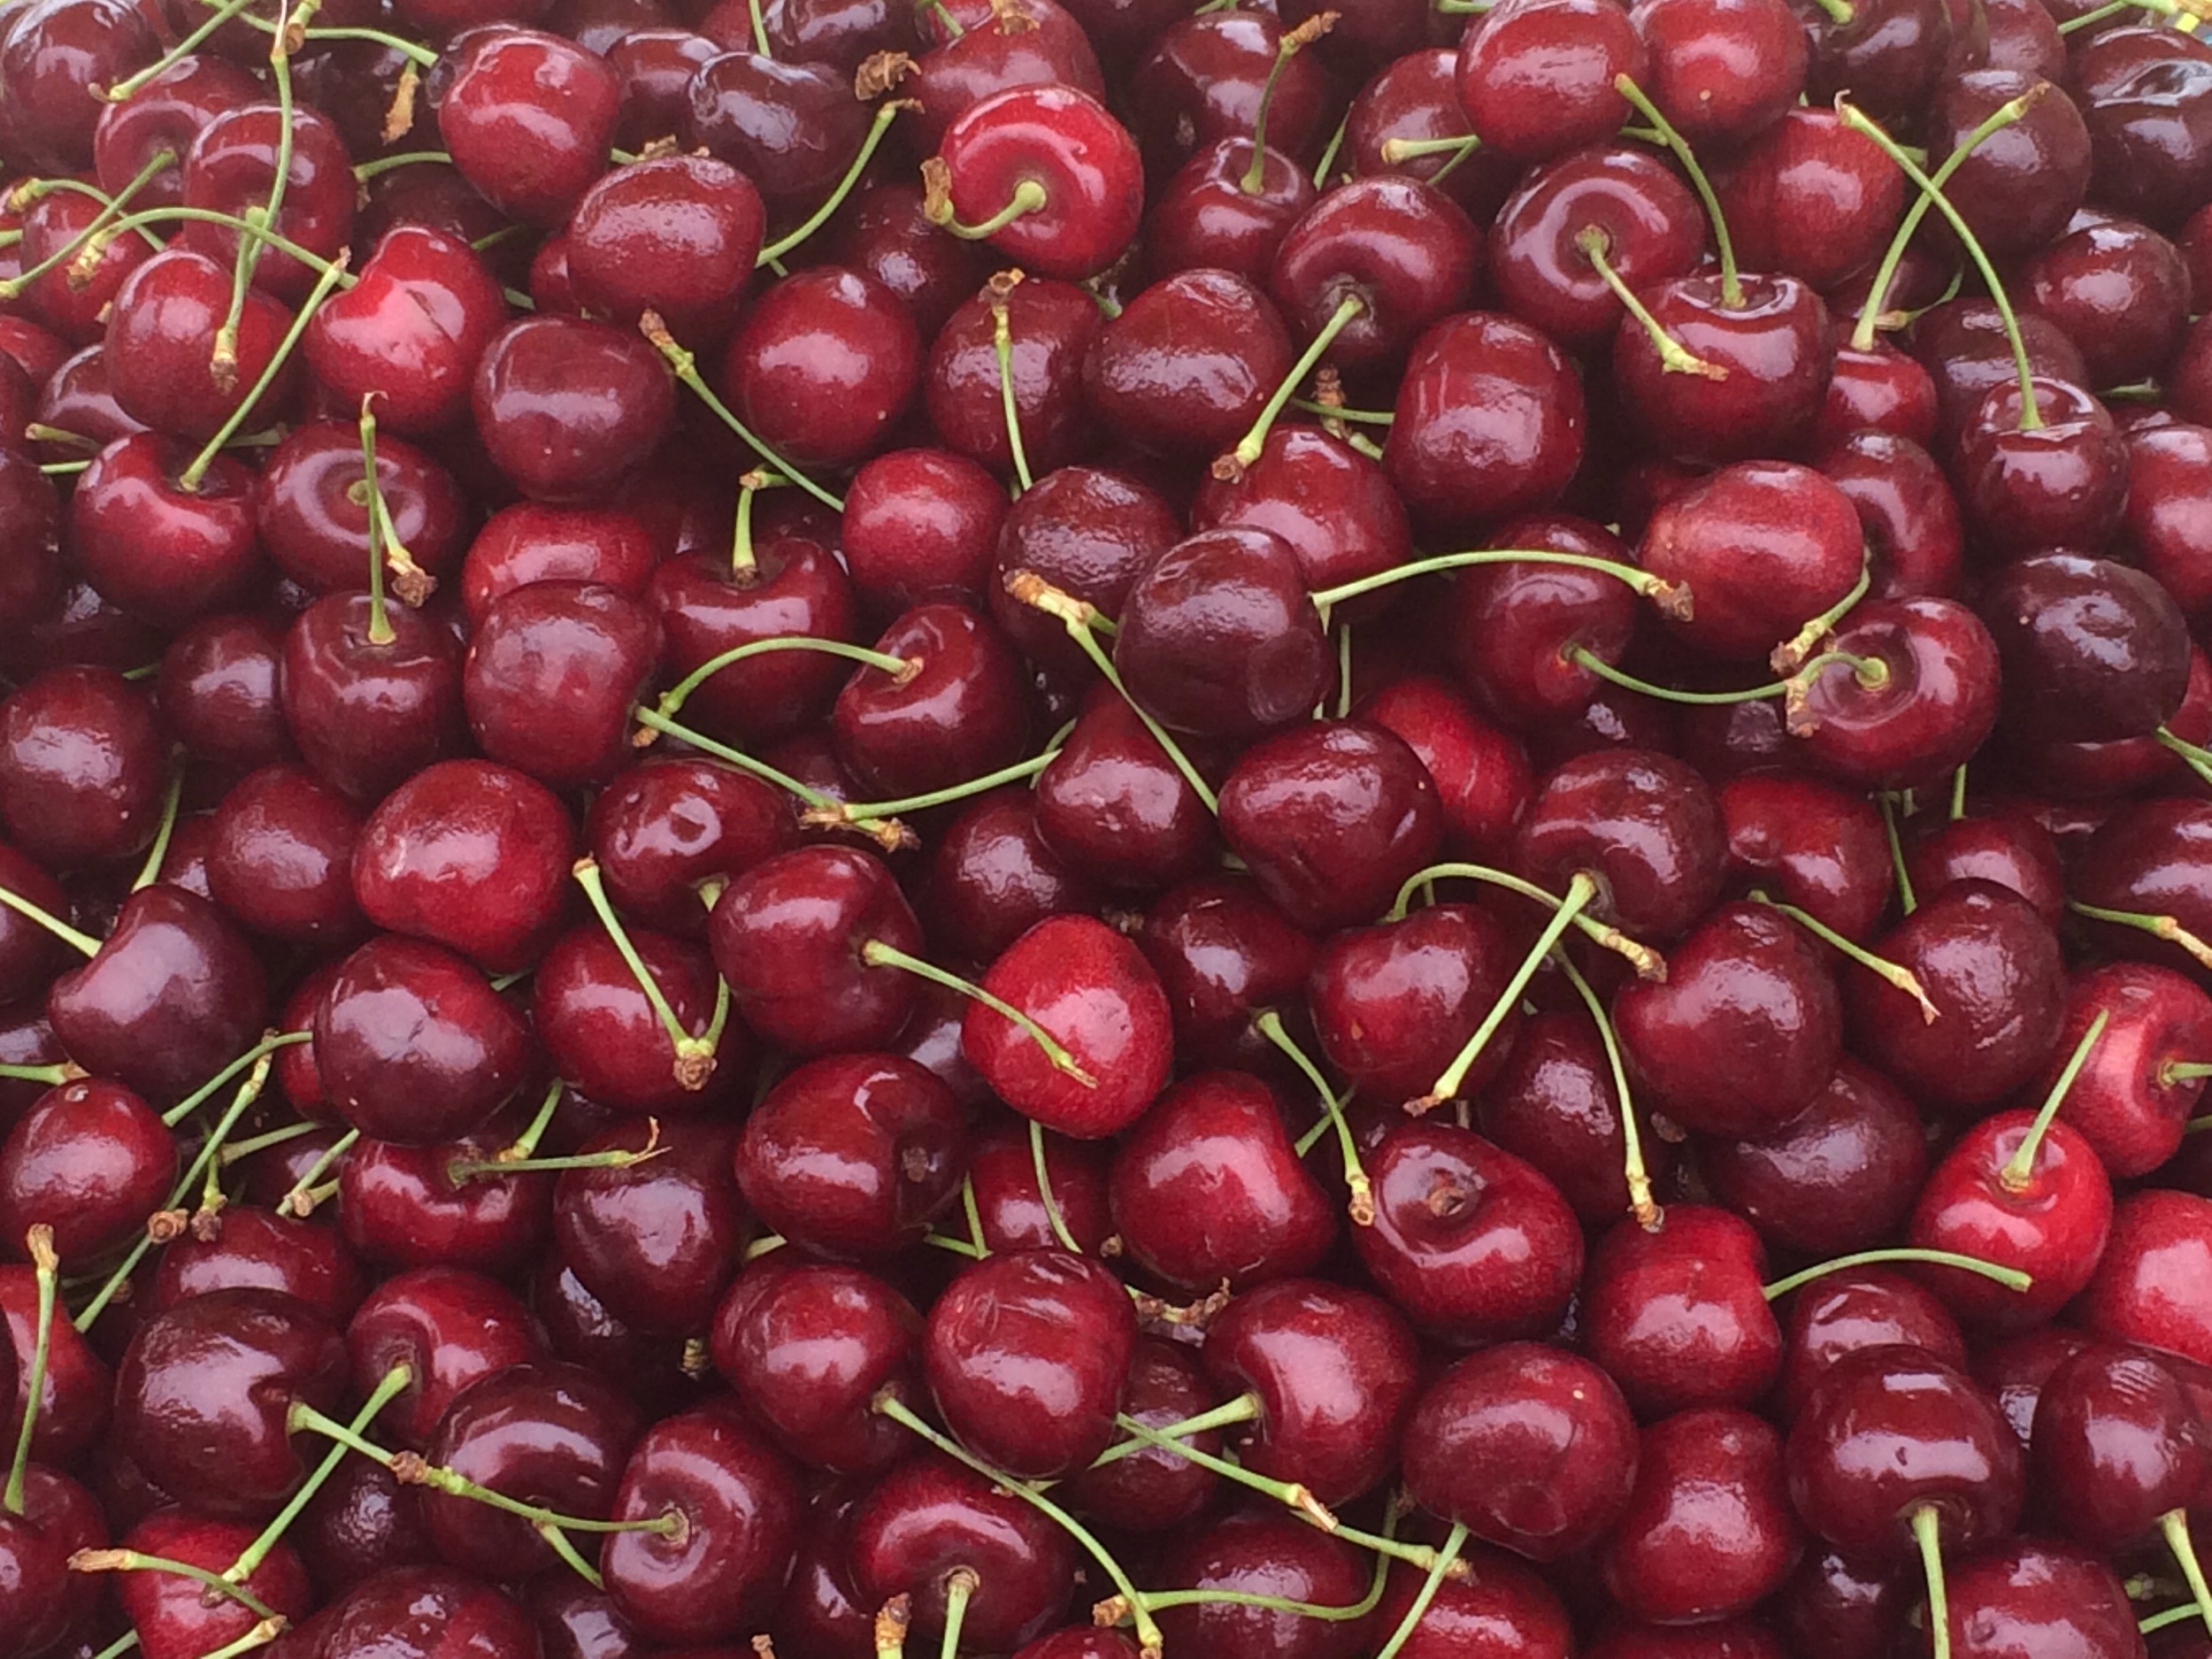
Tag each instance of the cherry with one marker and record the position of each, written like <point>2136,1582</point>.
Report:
<point>2160,521</point>
<point>160,543</point>
<point>551,673</point>
<point>1529,1447</point>
<point>157,356</point>
<point>81,767</point>
<point>1044,172</point>
<point>405,1206</point>
<point>2100,1398</point>
<point>1262,1552</point>
<point>790,935</point>
<point>1207,1186</point>
<point>2118,289</point>
<point>1839,1176</point>
<point>1538,79</point>
<point>1813,845</point>
<point>174,1615</point>
<point>568,408</point>
<point>673,234</point>
<point>90,1161</point>
<point>1010,1203</point>
<point>1214,77</point>
<point>527,118</point>
<point>1642,826</point>
<point>739,1502</point>
<point>529,542</point>
<point>450,1326</point>
<point>2027,1594</point>
<point>2011,850</point>
<point>51,1519</point>
<point>975,52</point>
<point>1050,327</point>
<point>1876,388</point>
<point>1498,1600</point>
<point>2143,1290</point>
<point>1855,1308</point>
<point>993,876</point>
<point>55,227</point>
<point>1675,1313</point>
<point>281,859</point>
<point>1924,699</point>
<point>955,710</point>
<point>2020,186</point>
<point>2132,1097</point>
<point>1407,118</point>
<point>259,1249</point>
<point>1196,354</point>
<point>822,1603</point>
<point>29,954</point>
<point>807,1346</point>
<point>1698,52</point>
<point>1392,1003</point>
<point>1813,198</point>
<point>1832,1608</point>
<point>853,1156</point>
<point>315,510</point>
<point>78,1398</point>
<point>1204,216</point>
<point>1086,530</point>
<point>409,331</point>
<point>368,704</point>
<point>822,366</point>
<point>1489,421</point>
<point>1372,264</point>
<point>1112,804</point>
<point>920,524</point>
<point>423,1612</point>
<point>792,128</point>
<point>1332,505</point>
<point>1153,1487</point>
<point>203,1393</point>
<point>654,1240</point>
<point>1769,340</point>
<point>1707,1530</point>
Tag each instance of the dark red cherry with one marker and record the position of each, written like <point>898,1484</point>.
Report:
<point>232,165</point>
<point>2091,651</point>
<point>823,366</point>
<point>2030,1594</point>
<point>2010,849</point>
<point>1263,1551</point>
<point>281,860</point>
<point>788,935</point>
<point>1916,717</point>
<point>1113,805</point>
<point>664,830</point>
<point>792,127</point>
<point>2020,186</point>
<point>1224,954</point>
<point>1489,420</point>
<point>1203,216</point>
<point>551,675</point>
<point>1643,825</point>
<point>2146,1288</point>
<point>1403,251</point>
<point>920,524</point>
<point>1702,51</point>
<point>2100,1400</point>
<point>1675,1313</point>
<point>160,551</point>
<point>928,1518</point>
<point>424,1612</point>
<point>1707,1530</point>
<point>1392,1003</point>
<point>1188,364</point>
<point>566,408</point>
<point>1538,77</point>
<point>1332,505</point>
<point>81,767</point>
<point>410,330</point>
<point>91,1161</point>
<point>2119,289</point>
<point>2132,1097</point>
<point>79,1399</point>
<point>167,1610</point>
<point>1812,198</point>
<point>807,1346</point>
<point>405,1206</point>
<point>1051,325</point>
<point>975,52</point>
<point>1859,1308</point>
<point>313,509</point>
<point>1153,1487</point>
<point>1080,165</point>
<point>672,235</point>
<point>1810,844</point>
<point>1554,1104</point>
<point>366,712</point>
<point>1089,532</point>
<point>655,1241</point>
<point>56,61</point>
<point>217,691</point>
<point>959,711</point>
<point>29,955</point>
<point>2063,482</point>
<point>1772,347</point>
<point>1206,79</point>
<point>161,326</point>
<point>527,118</point>
<point>450,1328</point>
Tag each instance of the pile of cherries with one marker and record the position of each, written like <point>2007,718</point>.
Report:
<point>845,829</point>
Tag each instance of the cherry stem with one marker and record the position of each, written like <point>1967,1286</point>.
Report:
<point>1672,599</point>
<point>2020,1168</point>
<point>2010,1278</point>
<point>1730,282</point>
<point>1886,274</point>
<point>959,1587</point>
<point>685,367</point>
<point>671,702</point>
<point>300,1202</point>
<point>1343,671</point>
<point>1792,655</point>
<point>52,1076</point>
<point>508,1162</point>
<point>413,583</point>
<point>744,566</point>
<point>525,1144</point>
<point>52,923</point>
<point>1329,151</point>
<point>760,29</point>
<point>1362,1205</point>
<point>659,722</point>
<point>2157,1622</point>
<point>877,954</point>
<point>1674,357</point>
<point>694,1056</point>
<point>413,51</point>
<point>1906,897</point>
<point>892,1621</point>
<point>2031,413</point>
<point>1336,412</point>
<point>120,1646</point>
<point>239,1151</point>
<point>1926,1524</point>
<point>260,1636</point>
<point>1395,150</point>
<point>1029,195</point>
<point>873,813</point>
<point>1579,892</point>
<point>189,479</point>
<point>1114,1610</point>
<point>887,1404</point>
<point>1871,671</point>
<point>224,358</point>
<point>1454,1542</point>
<point>973,1214</point>
<point>375,165</point>
<point>783,246</point>
<point>90,240</point>
<point>1002,351</point>
<point>1648,963</point>
<point>2166,928</point>
<point>1243,1408</point>
<point>1958,793</point>
<point>1082,620</point>
<point>1058,1222</point>
<point>2182,1072</point>
<point>1249,447</point>
<point>271,1041</point>
<point>394,1383</point>
<point>138,1560</point>
<point>122,90</point>
<point>39,1243</point>
<point>1294,40</point>
<point>2175,1525</point>
<point>1634,1173</point>
<point>1901,978</point>
<point>2194,757</point>
<point>149,872</point>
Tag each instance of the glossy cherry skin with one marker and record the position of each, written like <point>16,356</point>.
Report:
<point>2162,522</point>
<point>1810,844</point>
<point>1208,1187</point>
<point>2117,1445</point>
<point>1092,989</point>
<point>1053,325</point>
<point>853,1156</point>
<point>1839,1177</point>
<point>1553,1105</point>
<point>450,1328</point>
<point>787,936</point>
<point>81,768</point>
<point>1813,198</point>
<point>2145,1290</point>
<point>401,1206</point>
<point>496,115</point>
<point>158,551</point>
<point>1089,532</point>
<point>1113,805</point>
<point>607,1040</point>
<point>1202,82</point>
<point>313,506</point>
<point>1334,1373</point>
<point>928,1517</point>
<point>673,234</point>
<point>1651,227</point>
<point>1332,818</point>
<point>1936,701</point>
<point>528,541</point>
<point>1331,503</point>
<point>1643,824</point>
<point>203,1391</point>
<point>1153,1487</point>
<point>156,357</point>
<point>257,1248</point>
<point>1774,350</point>
<point>1403,249</point>
<point>1202,216</point>
<point>413,1045</point>
<point>424,1612</point>
<point>80,1398</point>
<point>167,1609</point>
<point>1064,141</point>
<point>1040,44</point>
<point>1262,1549</point>
<point>1196,354</point>
<point>2120,291</point>
<point>1530,1446</point>
<point>740,1500</point>
<point>1744,1031</point>
<point>1707,1531</point>
<point>44,1601</point>
<point>567,409</point>
<point>2091,651</point>
<point>89,1160</point>
<point>2123,1102</point>
<point>918,524</point>
<point>1010,1372</point>
<point>232,162</point>
<point>1392,1005</point>
<point>1489,420</point>
<point>281,859</point>
<point>175,993</point>
<point>2010,849</point>
<point>1990,965</point>
<point>1473,1242</point>
<point>551,675</point>
<point>664,826</point>
<point>545,1433</point>
<point>1538,78</point>
<point>1675,1313</point>
<point>655,1241</point>
<point>807,1346</point>
<point>1223,954</point>
<point>470,855</point>
<point>1003,1173</point>
<point>823,366</point>
<point>1842,1312</point>
<point>960,713</point>
<point>365,715</point>
<point>409,331</point>
<point>1887,1430</point>
<point>2034,1595</point>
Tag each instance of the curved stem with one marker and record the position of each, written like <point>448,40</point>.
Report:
<point>149,872</point>
<point>2020,1168</point>
<point>1362,1205</point>
<point>2010,1278</point>
<point>98,231</point>
<point>1674,357</point>
<point>1454,1542</point>
<point>238,1151</point>
<point>2030,414</point>
<point>789,242</point>
<point>1890,972</point>
<point>1673,598</point>
<point>867,811</point>
<point>1002,351</point>
<point>1044,1190</point>
<point>123,89</point>
<point>1648,963</point>
<point>2166,928</point>
<point>1579,892</point>
<point>515,1161</point>
<point>685,367</point>
<point>692,1056</point>
<point>72,937</point>
<point>877,954</point>
<point>1641,1204</point>
<point>39,1242</point>
<point>1293,42</point>
<point>394,1382</point>
<point>659,722</point>
<point>305,1193</point>
<point>379,165</point>
<point>1255,441</point>
<point>671,702</point>
<point>189,479</point>
<point>137,1561</point>
<point>1926,1531</point>
<point>1790,656</point>
<point>1905,897</point>
<point>1243,1408</point>
<point>1730,282</point>
<point>2174,1526</point>
<point>887,1404</point>
<point>1395,150</point>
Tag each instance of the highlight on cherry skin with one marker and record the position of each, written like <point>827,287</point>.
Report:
<point>1105,829</point>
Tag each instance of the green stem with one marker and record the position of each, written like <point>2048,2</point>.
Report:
<point>2020,1168</point>
<point>657,721</point>
<point>52,1076</point>
<point>1029,195</point>
<point>1790,656</point>
<point>785,245</point>
<point>1579,892</point>
<point>1243,1408</point>
<point>370,169</point>
<point>760,29</point>
<point>2010,1278</point>
<point>671,702</point>
<point>45,1264</point>
<point>877,954</point>
<point>2030,414</point>
<point>958,1588</point>
<point>1892,973</point>
<point>123,89</point>
<point>1454,1542</point>
<point>2166,928</point>
<point>1332,412</point>
<point>304,1194</point>
<point>2180,1615</point>
<point>1362,1208</point>
<point>149,872</point>
<point>887,1404</point>
<point>238,1151</point>
<point>61,930</point>
<point>1255,441</point>
<point>189,479</point>
<point>1293,42</point>
<point>97,229</point>
<point>1906,897</point>
<point>973,1214</point>
<point>2182,1072</point>
<point>1926,1531</point>
<point>692,1057</point>
<point>868,812</point>
<point>1002,351</point>
<point>1053,1217</point>
<point>1674,357</point>
<point>1648,963</point>
<point>1671,598</point>
<point>2175,1525</point>
<point>1871,673</point>
<point>685,367</point>
<point>1329,151</point>
<point>516,1160</point>
<point>271,1041</point>
<point>1730,282</point>
<point>137,1561</point>
<point>394,1382</point>
<point>1641,1204</point>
